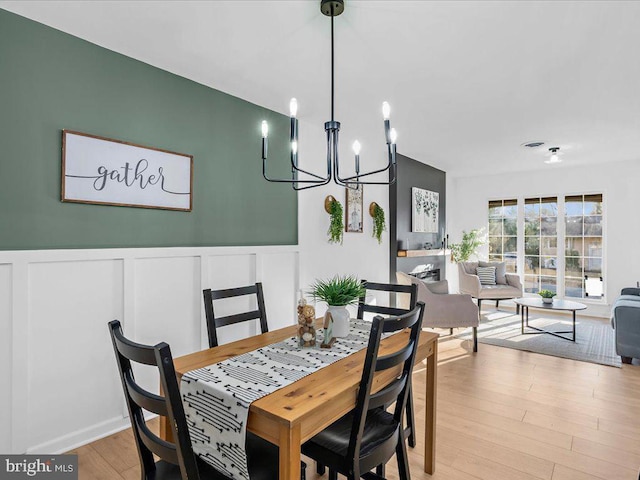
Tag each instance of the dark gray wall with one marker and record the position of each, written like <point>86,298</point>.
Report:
<point>412,173</point>
<point>51,81</point>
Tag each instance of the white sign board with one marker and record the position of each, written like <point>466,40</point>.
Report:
<point>110,172</point>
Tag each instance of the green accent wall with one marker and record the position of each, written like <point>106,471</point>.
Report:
<point>50,81</point>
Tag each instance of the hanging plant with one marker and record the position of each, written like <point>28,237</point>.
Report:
<point>377,213</point>
<point>336,215</point>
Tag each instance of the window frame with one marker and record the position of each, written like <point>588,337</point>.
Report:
<point>560,239</point>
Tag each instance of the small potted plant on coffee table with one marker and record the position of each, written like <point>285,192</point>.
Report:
<point>547,296</point>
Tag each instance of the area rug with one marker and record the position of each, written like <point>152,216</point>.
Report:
<point>594,343</point>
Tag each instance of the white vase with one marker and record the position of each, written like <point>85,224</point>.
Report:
<point>340,316</point>
<point>547,300</point>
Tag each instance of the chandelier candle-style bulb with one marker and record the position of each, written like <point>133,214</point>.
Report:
<point>394,136</point>
<point>265,135</point>
<point>356,150</point>
<point>386,111</point>
<point>293,110</point>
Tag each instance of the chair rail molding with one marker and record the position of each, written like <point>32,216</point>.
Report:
<point>54,309</point>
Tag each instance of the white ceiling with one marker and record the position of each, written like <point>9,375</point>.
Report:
<point>468,82</point>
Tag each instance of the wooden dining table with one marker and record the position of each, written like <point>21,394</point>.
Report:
<point>295,413</point>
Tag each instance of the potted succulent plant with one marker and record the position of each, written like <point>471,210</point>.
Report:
<point>338,292</point>
<point>547,296</point>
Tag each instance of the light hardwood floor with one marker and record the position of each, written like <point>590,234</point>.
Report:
<point>502,414</point>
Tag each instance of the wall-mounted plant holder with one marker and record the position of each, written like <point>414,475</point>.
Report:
<point>327,203</point>
<point>334,208</point>
<point>377,213</point>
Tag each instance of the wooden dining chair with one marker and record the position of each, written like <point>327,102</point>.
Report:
<point>369,435</point>
<point>177,460</point>
<point>214,322</point>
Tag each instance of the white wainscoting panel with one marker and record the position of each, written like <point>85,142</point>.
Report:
<point>279,280</point>
<point>72,376</point>
<point>167,308</point>
<point>6,305</point>
<point>55,351</point>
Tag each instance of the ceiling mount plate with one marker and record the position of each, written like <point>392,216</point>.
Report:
<point>332,8</point>
<point>532,144</point>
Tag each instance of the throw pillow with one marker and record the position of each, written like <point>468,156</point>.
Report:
<point>501,270</point>
<point>487,275</point>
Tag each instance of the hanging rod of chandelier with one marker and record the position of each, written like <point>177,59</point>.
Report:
<point>302,179</point>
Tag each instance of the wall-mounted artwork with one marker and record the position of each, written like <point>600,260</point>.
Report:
<point>111,172</point>
<point>424,210</point>
<point>353,220</point>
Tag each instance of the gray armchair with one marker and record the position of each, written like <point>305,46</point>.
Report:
<point>442,309</point>
<point>625,319</point>
<point>507,286</point>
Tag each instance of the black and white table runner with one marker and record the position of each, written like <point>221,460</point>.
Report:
<point>217,398</point>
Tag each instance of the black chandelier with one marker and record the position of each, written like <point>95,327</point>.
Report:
<point>330,8</point>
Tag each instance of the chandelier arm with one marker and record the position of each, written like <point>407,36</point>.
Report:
<point>318,182</point>
<point>349,184</point>
<point>310,174</point>
<point>373,172</point>
<point>297,189</point>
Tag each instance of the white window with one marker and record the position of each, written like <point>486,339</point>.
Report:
<point>503,232</point>
<point>583,246</point>
<point>575,271</point>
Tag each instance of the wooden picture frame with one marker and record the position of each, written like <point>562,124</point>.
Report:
<point>354,217</point>
<point>103,171</point>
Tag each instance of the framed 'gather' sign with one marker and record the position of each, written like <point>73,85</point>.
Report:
<point>111,172</point>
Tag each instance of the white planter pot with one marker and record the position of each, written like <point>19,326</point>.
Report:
<point>547,300</point>
<point>340,316</point>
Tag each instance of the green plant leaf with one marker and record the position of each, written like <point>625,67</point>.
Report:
<point>378,222</point>
<point>338,291</point>
<point>471,241</point>
<point>335,231</point>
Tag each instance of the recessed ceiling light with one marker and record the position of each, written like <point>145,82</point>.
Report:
<point>554,158</point>
<point>532,144</point>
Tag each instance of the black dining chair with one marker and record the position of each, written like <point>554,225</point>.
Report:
<point>214,322</point>
<point>177,459</point>
<point>369,435</point>
<point>363,307</point>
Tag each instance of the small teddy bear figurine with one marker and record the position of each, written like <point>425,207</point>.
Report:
<point>306,330</point>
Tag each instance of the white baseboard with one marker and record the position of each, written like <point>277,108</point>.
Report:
<point>81,437</point>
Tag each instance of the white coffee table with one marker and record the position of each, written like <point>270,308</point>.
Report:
<point>559,305</point>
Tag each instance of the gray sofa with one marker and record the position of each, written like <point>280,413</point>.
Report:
<point>625,319</point>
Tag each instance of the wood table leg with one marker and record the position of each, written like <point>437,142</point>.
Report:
<point>430,412</point>
<point>290,452</point>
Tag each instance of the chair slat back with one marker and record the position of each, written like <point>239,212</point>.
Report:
<point>138,399</point>
<point>396,390</point>
<point>214,322</point>
<point>391,288</point>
